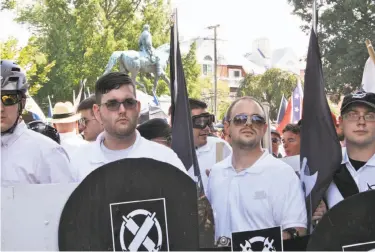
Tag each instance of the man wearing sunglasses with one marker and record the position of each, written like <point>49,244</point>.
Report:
<point>276,141</point>
<point>88,124</point>
<point>205,145</point>
<point>118,109</point>
<point>27,157</point>
<point>251,189</point>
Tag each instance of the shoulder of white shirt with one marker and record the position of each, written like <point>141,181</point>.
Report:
<point>270,161</point>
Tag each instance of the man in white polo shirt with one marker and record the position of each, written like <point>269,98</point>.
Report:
<point>357,171</point>
<point>206,146</point>
<point>251,189</point>
<point>118,110</point>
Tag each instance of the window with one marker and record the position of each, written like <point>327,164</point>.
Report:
<point>235,74</point>
<point>208,58</point>
<point>207,69</point>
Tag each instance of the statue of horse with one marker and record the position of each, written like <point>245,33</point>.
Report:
<point>135,62</point>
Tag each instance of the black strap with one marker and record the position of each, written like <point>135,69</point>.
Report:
<point>345,182</point>
<point>61,116</point>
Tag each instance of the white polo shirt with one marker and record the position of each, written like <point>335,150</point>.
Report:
<point>364,178</point>
<point>265,195</point>
<point>28,157</point>
<point>91,156</point>
<point>206,156</point>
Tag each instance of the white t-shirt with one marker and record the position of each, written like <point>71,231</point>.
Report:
<point>265,195</point>
<point>364,178</point>
<point>91,155</point>
<point>28,157</point>
<point>206,156</point>
<point>71,142</point>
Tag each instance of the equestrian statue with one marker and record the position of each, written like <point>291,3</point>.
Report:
<point>147,60</point>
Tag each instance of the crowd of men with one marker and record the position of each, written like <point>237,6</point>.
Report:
<point>249,188</point>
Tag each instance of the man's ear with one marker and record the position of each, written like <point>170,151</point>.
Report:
<point>96,111</point>
<point>340,122</point>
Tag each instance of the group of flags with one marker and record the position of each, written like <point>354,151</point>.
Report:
<point>290,111</point>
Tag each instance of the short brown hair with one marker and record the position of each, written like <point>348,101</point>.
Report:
<point>294,128</point>
<point>229,111</point>
<point>111,81</point>
<point>87,103</point>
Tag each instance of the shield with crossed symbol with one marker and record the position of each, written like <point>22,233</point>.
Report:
<point>139,225</point>
<point>124,205</point>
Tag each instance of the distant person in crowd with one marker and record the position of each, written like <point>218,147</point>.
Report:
<point>339,131</point>
<point>206,146</point>
<point>117,109</point>
<point>357,171</point>
<point>276,142</point>
<point>27,157</point>
<point>157,130</point>
<point>225,135</point>
<point>65,120</point>
<point>292,139</point>
<point>88,124</point>
<point>45,129</point>
<point>245,190</point>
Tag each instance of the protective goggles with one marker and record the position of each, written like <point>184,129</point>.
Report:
<point>10,99</point>
<point>203,120</point>
<point>242,119</point>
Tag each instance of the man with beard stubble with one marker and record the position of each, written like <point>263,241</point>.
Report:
<point>117,109</point>
<point>251,189</point>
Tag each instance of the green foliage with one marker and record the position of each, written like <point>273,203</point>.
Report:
<point>80,35</point>
<point>31,59</point>
<point>343,27</point>
<point>208,96</point>
<point>192,72</point>
<point>269,87</point>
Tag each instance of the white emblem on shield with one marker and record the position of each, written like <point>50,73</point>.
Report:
<point>140,233</point>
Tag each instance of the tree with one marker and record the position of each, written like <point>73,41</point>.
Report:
<point>192,72</point>
<point>31,60</point>
<point>268,87</point>
<point>80,35</point>
<point>208,96</point>
<point>343,27</point>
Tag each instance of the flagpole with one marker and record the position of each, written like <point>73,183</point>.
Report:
<point>370,50</point>
<point>314,14</point>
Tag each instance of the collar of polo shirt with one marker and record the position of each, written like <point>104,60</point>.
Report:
<point>257,167</point>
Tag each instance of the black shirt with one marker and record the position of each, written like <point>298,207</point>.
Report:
<point>357,164</point>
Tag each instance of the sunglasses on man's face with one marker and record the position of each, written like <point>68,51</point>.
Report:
<point>203,120</point>
<point>114,105</point>
<point>275,140</point>
<point>9,99</point>
<point>242,119</point>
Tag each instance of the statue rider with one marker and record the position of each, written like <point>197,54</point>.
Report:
<point>145,45</point>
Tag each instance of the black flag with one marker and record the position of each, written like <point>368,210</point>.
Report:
<point>182,137</point>
<point>182,129</point>
<point>320,147</point>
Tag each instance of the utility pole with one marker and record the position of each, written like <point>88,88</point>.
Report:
<point>215,67</point>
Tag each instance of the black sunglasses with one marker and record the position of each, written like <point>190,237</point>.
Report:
<point>275,140</point>
<point>242,119</point>
<point>203,120</point>
<point>114,105</point>
<point>10,99</point>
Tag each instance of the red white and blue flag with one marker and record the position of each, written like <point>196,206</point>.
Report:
<point>297,101</point>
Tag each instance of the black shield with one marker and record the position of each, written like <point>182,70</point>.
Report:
<point>352,221</point>
<point>269,239</point>
<point>131,203</point>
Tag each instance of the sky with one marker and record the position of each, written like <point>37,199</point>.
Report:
<point>241,21</point>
